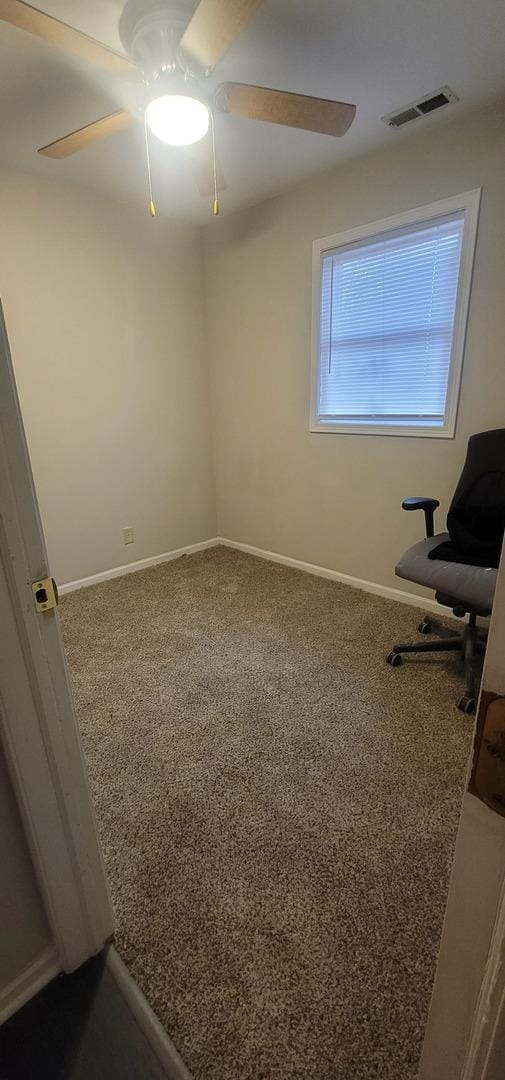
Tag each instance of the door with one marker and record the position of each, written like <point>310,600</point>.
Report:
<point>38,724</point>
<point>465,1035</point>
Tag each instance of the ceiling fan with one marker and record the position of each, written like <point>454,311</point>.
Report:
<point>173,49</point>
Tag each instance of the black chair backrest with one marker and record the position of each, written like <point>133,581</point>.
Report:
<point>476,518</point>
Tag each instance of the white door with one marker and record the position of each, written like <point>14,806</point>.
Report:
<point>37,719</point>
<point>465,1036</point>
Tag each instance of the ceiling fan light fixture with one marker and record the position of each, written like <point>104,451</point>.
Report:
<point>177,119</point>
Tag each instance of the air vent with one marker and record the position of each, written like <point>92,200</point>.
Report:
<point>425,105</point>
<point>402,117</point>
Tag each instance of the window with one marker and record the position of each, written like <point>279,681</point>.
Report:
<point>389,319</point>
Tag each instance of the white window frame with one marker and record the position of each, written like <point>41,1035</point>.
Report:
<point>469,202</point>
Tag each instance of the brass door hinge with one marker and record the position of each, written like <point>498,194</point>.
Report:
<point>45,594</point>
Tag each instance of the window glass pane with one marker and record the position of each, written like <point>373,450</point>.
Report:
<point>386,325</point>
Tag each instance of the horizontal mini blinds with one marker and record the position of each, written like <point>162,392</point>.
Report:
<point>387,318</point>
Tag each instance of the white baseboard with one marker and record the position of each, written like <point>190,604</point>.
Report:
<point>154,1032</point>
<point>387,591</point>
<point>413,599</point>
<point>29,982</point>
<point>131,568</point>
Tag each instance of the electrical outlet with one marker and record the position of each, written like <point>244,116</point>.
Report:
<point>128,535</point>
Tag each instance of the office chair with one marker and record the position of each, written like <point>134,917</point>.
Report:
<point>462,564</point>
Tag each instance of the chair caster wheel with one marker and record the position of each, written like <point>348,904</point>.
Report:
<point>424,627</point>
<point>466,704</point>
<point>394,659</point>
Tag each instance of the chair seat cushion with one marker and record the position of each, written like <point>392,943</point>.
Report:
<point>472,585</point>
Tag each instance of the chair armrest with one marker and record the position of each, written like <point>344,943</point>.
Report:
<point>418,502</point>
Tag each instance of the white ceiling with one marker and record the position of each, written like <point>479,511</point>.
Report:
<point>380,55</point>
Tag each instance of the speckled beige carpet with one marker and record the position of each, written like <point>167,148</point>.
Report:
<point>277,808</point>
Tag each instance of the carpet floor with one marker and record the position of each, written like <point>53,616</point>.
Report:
<point>277,808</point>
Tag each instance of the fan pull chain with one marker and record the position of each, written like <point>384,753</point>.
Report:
<point>152,207</point>
<point>216,207</point>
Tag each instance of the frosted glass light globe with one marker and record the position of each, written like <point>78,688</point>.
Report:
<point>177,120</point>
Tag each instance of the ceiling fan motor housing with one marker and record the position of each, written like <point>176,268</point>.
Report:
<point>150,32</point>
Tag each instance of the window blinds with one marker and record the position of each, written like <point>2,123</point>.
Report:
<point>386,325</point>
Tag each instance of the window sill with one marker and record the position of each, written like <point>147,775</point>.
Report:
<point>402,430</point>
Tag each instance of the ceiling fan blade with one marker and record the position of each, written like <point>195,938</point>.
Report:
<point>200,157</point>
<point>214,27</point>
<point>282,107</point>
<point>26,17</point>
<point>78,140</point>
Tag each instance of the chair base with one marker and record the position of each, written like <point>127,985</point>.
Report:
<point>470,643</point>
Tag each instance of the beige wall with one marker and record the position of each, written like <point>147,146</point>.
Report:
<point>334,500</point>
<point>104,314</point>
<point>110,341</point>
<point>24,929</point>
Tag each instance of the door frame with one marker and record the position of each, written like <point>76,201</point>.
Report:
<point>465,1034</point>
<point>38,725</point>
<point>485,1046</point>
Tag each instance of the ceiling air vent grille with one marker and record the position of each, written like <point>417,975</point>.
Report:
<point>425,105</point>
